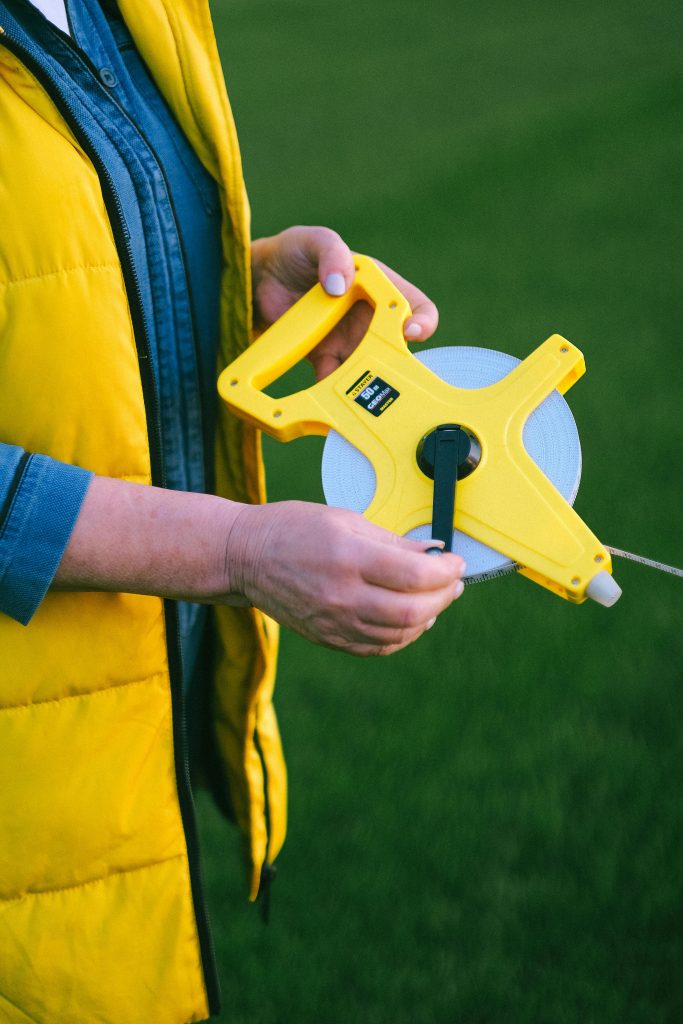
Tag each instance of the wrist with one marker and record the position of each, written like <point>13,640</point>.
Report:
<point>241,542</point>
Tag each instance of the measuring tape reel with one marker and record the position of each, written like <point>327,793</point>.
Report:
<point>467,445</point>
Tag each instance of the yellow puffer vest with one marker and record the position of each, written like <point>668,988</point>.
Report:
<point>100,919</point>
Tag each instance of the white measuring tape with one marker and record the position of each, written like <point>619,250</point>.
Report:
<point>550,437</point>
<point>662,566</point>
<point>640,559</point>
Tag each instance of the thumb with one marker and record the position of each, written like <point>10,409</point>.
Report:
<point>334,260</point>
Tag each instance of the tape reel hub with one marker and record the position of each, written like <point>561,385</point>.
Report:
<point>468,454</point>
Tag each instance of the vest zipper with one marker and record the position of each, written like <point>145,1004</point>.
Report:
<point>30,56</point>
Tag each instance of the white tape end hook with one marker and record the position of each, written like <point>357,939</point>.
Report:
<point>604,589</point>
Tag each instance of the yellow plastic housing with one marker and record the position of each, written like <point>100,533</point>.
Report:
<point>507,502</point>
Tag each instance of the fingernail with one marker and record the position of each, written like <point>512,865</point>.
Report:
<point>458,589</point>
<point>463,571</point>
<point>430,623</point>
<point>335,284</point>
<point>412,330</point>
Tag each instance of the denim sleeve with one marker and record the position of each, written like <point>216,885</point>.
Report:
<point>40,499</point>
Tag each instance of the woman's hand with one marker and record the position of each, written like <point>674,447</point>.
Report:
<point>336,578</point>
<point>287,265</point>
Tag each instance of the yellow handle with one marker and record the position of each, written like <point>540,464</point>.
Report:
<point>291,338</point>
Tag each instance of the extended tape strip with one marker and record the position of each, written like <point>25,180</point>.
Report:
<point>649,562</point>
<point>495,574</point>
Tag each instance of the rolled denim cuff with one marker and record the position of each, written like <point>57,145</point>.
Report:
<point>40,500</point>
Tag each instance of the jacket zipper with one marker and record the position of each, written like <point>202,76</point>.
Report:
<point>141,333</point>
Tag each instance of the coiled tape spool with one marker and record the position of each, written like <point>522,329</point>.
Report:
<point>550,437</point>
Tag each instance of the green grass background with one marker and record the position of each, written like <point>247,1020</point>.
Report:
<point>486,827</point>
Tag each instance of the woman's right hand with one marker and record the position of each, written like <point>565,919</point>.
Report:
<point>336,578</point>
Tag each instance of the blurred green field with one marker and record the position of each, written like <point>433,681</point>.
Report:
<point>486,828</point>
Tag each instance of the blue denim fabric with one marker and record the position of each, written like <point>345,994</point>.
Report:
<point>169,206</point>
<point>40,499</point>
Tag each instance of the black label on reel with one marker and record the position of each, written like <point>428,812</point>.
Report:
<point>373,393</point>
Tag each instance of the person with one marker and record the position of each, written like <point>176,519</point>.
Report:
<point>141,571</point>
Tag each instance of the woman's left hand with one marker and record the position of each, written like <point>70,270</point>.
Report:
<point>287,265</point>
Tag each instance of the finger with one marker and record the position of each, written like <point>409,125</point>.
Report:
<point>333,258</point>
<point>362,638</point>
<point>409,572</point>
<point>389,614</point>
<point>373,641</point>
<point>342,339</point>
<point>371,531</point>
<point>402,565</point>
<point>382,650</point>
<point>325,363</point>
<point>398,563</point>
<point>424,318</point>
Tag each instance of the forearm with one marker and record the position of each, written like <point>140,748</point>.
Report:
<point>327,573</point>
<point>147,540</point>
